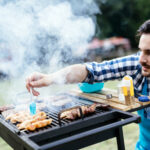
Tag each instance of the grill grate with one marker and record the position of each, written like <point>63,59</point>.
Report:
<point>53,114</point>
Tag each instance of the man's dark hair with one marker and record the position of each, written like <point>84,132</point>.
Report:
<point>144,28</point>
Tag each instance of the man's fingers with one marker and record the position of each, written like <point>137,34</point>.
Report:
<point>36,80</point>
<point>28,80</point>
<point>28,87</point>
<point>38,83</point>
<point>35,93</point>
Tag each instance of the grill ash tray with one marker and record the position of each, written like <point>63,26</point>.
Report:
<point>71,134</point>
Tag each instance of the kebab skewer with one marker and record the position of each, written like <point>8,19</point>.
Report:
<point>29,122</point>
<point>74,113</point>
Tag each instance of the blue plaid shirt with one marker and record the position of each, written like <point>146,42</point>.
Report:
<point>117,69</point>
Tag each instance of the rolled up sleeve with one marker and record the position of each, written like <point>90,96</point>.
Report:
<point>111,70</point>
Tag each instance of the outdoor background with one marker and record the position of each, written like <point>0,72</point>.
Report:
<point>48,35</point>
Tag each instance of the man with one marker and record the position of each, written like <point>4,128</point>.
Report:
<point>137,66</point>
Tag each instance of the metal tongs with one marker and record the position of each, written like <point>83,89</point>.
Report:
<point>32,104</point>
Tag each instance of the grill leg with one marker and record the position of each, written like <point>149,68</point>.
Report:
<point>120,139</point>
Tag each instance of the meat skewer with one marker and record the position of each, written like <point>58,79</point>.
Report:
<point>33,120</point>
<point>31,126</point>
<point>22,116</point>
<point>75,112</point>
<point>28,122</point>
<point>5,108</point>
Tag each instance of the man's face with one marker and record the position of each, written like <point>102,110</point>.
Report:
<point>144,46</point>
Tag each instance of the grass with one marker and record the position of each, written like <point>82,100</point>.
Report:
<point>130,131</point>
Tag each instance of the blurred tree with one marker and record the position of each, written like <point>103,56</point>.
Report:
<point>121,18</point>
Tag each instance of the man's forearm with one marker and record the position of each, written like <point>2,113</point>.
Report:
<point>71,74</point>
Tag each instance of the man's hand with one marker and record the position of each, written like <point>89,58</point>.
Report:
<point>71,74</point>
<point>37,80</point>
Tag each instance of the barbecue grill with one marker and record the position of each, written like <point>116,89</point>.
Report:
<point>103,124</point>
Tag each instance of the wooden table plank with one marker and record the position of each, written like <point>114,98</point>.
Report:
<point>113,102</point>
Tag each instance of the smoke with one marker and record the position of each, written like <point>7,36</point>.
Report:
<point>45,33</point>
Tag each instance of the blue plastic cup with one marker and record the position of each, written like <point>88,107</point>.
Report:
<point>91,88</point>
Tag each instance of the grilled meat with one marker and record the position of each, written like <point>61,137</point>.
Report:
<point>29,122</point>
<point>8,112</point>
<point>23,115</point>
<point>38,124</point>
<point>75,112</point>
<point>5,108</point>
<point>71,114</point>
<point>86,109</point>
<point>38,117</point>
<point>42,123</point>
<point>32,125</point>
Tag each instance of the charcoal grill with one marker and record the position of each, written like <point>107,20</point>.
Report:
<point>70,135</point>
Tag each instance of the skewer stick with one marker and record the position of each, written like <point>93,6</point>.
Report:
<point>31,95</point>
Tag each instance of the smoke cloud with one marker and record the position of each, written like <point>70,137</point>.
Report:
<point>39,32</point>
<point>45,33</point>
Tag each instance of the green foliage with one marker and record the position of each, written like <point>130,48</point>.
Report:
<point>121,18</point>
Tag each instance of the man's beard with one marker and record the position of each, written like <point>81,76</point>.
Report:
<point>146,72</point>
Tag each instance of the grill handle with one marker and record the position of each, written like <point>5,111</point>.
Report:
<point>76,107</point>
